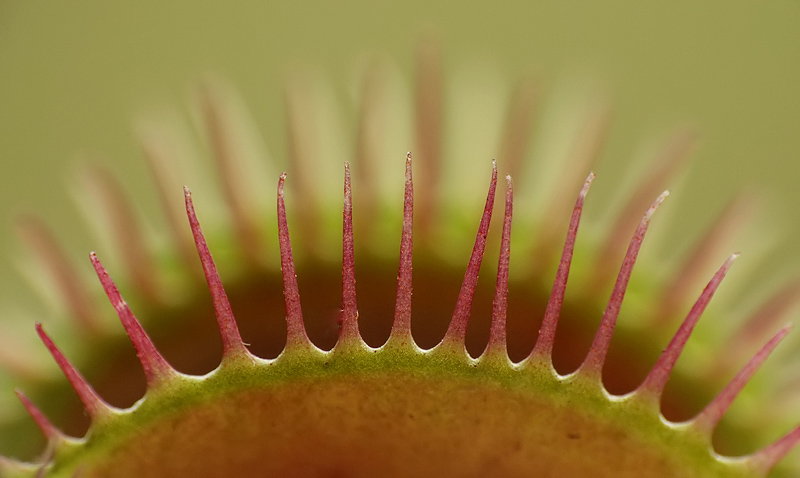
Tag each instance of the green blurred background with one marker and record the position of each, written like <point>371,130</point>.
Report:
<point>73,75</point>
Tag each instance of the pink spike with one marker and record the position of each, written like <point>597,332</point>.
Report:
<point>653,385</point>
<point>584,154</point>
<point>295,330</point>
<point>707,420</point>
<point>593,364</point>
<point>766,459</point>
<point>231,340</point>
<point>95,405</point>
<point>154,365</point>
<point>401,330</point>
<point>457,331</point>
<point>547,332</point>
<point>349,306</point>
<point>49,431</point>
<point>497,333</point>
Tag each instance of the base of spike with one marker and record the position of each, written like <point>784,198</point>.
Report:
<point>403,411</point>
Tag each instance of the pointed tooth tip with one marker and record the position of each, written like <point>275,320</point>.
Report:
<point>660,199</point>
<point>586,184</point>
<point>22,397</point>
<point>281,180</point>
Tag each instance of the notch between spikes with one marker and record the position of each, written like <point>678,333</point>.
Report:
<point>456,334</point>
<point>95,406</point>
<point>592,366</point>
<point>232,344</point>
<point>156,368</point>
<point>497,348</point>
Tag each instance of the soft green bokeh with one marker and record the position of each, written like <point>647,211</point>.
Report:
<point>74,74</point>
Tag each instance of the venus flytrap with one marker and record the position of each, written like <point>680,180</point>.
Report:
<point>356,408</point>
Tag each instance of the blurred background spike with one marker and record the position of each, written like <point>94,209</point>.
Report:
<point>16,362</point>
<point>663,167</point>
<point>497,348</point>
<point>543,350</point>
<point>429,131</point>
<point>756,327</point>
<point>401,329</point>
<point>227,153</point>
<point>592,366</point>
<point>707,420</point>
<point>156,369</point>
<point>69,283</point>
<point>349,332</point>
<point>518,127</point>
<point>653,386</point>
<point>295,330</point>
<point>126,230</point>
<point>231,340</point>
<point>300,126</point>
<point>95,406</point>
<point>726,225</point>
<point>158,157</point>
<point>583,156</point>
<point>371,133</point>
<point>457,331</point>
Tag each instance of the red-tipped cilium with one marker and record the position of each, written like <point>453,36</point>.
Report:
<point>456,333</point>
<point>231,340</point>
<point>593,364</point>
